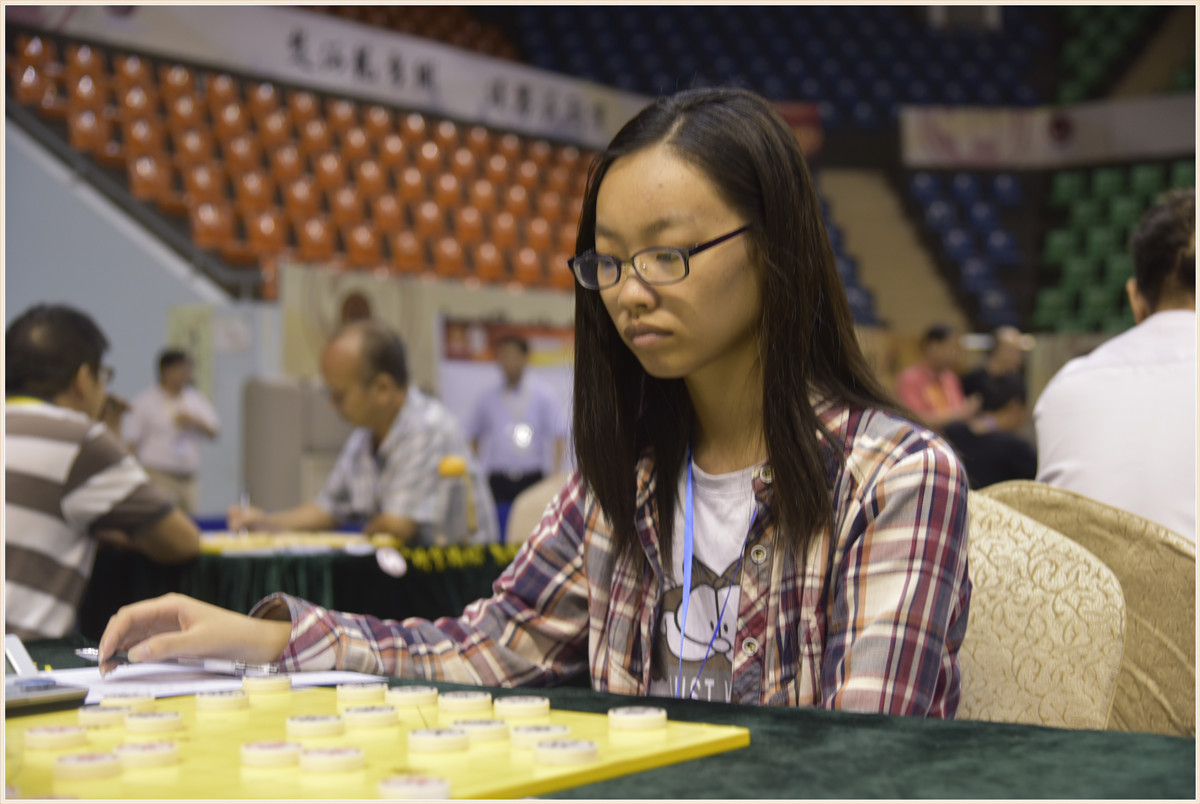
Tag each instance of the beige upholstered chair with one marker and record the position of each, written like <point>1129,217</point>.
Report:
<point>1044,635</point>
<point>1156,689</point>
<point>527,509</point>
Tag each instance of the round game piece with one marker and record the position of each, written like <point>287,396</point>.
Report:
<point>55,736</point>
<point>153,721</point>
<point>464,701</point>
<point>368,692</point>
<point>371,716</point>
<point>280,683</point>
<point>86,766</point>
<point>635,718</point>
<point>411,696</point>
<point>315,725</point>
<point>330,759</point>
<point>529,736</point>
<point>483,731</point>
<point>147,755</point>
<point>138,703</point>
<point>98,717</point>
<point>414,786</point>
<point>222,701</point>
<point>519,706</point>
<point>565,752</point>
<point>271,753</point>
<point>436,740</point>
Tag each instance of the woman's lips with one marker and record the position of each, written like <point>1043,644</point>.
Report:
<point>644,336</point>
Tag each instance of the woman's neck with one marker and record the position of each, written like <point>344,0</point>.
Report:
<point>729,423</point>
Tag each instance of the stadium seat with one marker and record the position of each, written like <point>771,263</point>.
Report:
<point>478,140</point>
<point>315,137</point>
<point>1006,190</point>
<point>482,195</point>
<point>560,274</point>
<point>302,106</point>
<point>508,146</point>
<point>1066,187</point>
<point>341,114</point>
<point>527,174</point>
<point>230,120</point>
<point>924,189</point>
<point>537,235</point>
<point>363,249</point>
<point>266,231</point>
<point>87,131</point>
<point>88,92</point>
<point>301,200</point>
<point>965,188</point>
<point>370,178</point>
<point>1050,305</point>
<point>504,231</point>
<point>428,158</point>
<point>242,153</point>
<point>393,154</point>
<point>410,185</point>
<point>445,134</point>
<point>549,205</point>
<point>346,207</point>
<point>1183,173</point>
<point>516,201</point>
<point>413,129</point>
<point>356,145</point>
<point>462,164</point>
<point>428,220</point>
<point>957,244</point>
<point>982,217</point>
<point>388,213</point>
<point>1118,268</point>
<point>1124,211</point>
<point>184,113</point>
<point>262,98</point>
<point>329,171</point>
<point>540,152</point>
<point>1001,248</point>
<point>315,240</point>
<point>212,225</point>
<point>1084,213</point>
<point>149,177</point>
<point>204,184</point>
<point>1146,181</point>
<point>254,191</point>
<point>1078,272</point>
<point>1100,241</point>
<point>275,129</point>
<point>408,253</point>
<point>496,169</point>
<point>1060,244</point>
<point>1107,182</point>
<point>468,224</point>
<point>175,80</point>
<point>144,136</point>
<point>488,261</point>
<point>447,191</point>
<point>448,258</point>
<point>1097,304</point>
<point>221,89</point>
<point>559,179</point>
<point>286,165</point>
<point>377,121</point>
<point>527,268</point>
<point>84,60</point>
<point>975,275</point>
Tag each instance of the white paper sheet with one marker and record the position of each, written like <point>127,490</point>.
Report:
<point>167,680</point>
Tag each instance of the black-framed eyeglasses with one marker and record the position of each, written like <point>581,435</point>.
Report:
<point>658,265</point>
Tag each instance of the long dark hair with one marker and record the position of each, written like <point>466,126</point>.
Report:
<point>806,335</point>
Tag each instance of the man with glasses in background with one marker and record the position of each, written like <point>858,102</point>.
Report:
<point>69,483</point>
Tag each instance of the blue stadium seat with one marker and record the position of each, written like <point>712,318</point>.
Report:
<point>1001,248</point>
<point>1006,190</point>
<point>965,188</point>
<point>865,116</point>
<point>941,216</point>
<point>996,309</point>
<point>976,275</point>
<point>982,216</point>
<point>924,188</point>
<point>958,245</point>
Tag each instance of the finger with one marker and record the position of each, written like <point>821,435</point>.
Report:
<point>161,647</point>
<point>133,623</point>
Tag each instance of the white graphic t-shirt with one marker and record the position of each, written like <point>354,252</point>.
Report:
<point>723,508</point>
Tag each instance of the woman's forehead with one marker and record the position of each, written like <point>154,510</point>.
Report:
<point>657,188</point>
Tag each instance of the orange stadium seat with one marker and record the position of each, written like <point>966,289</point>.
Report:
<point>149,177</point>
<point>429,158</point>
<point>230,120</point>
<point>212,225</point>
<point>516,200</point>
<point>482,195</point>
<point>574,208</point>
<point>540,152</point>
<point>136,102</point>
<point>175,80</point>
<point>428,220</point>
<point>495,169</point>
<point>87,92</point>
<point>341,114</point>
<point>537,235</point>
<point>568,156</point>
<point>462,164</point>
<point>221,90</point>
<point>504,231</point>
<point>509,146</point>
<point>39,52</point>
<point>129,70</point>
<point>489,262</point>
<point>286,163</point>
<point>346,207</point>
<point>184,112</point>
<point>448,258</point>
<point>410,184</point>
<point>315,240</point>
<point>242,153</point>
<point>371,179</point>
<point>408,253</point>
<point>559,179</point>
<point>567,234</point>
<point>561,275</point>
<point>392,152</point>
<point>315,136</point>
<point>550,205</point>
<point>300,199</point>
<point>528,174</point>
<point>388,213</point>
<point>275,129</point>
<point>479,141</point>
<point>413,129</point>
<point>85,60</point>
<point>445,134</point>
<point>254,191</point>
<point>143,136</point>
<point>356,146</point>
<point>262,98</point>
<point>303,107</point>
<point>34,87</point>
<point>329,171</point>
<point>527,268</point>
<point>266,231</point>
<point>204,184</point>
<point>468,224</point>
<point>363,249</point>
<point>378,122</point>
<point>447,191</point>
<point>87,131</point>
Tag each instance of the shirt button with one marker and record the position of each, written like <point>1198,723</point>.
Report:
<point>750,646</point>
<point>758,554</point>
<point>765,473</point>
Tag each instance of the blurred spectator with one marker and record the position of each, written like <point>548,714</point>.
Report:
<point>1005,358</point>
<point>988,443</point>
<point>165,425</point>
<point>388,473</point>
<point>1119,425</point>
<point>69,484</point>
<point>517,428</point>
<point>930,388</point>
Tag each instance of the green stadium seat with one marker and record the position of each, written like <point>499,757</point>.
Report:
<point>1060,244</point>
<point>1066,187</point>
<point>1073,91</point>
<point>1107,182</point>
<point>1099,242</point>
<point>1078,273</point>
<point>1096,304</point>
<point>1124,211</point>
<point>1147,180</point>
<point>1069,325</point>
<point>1050,305</point>
<point>1118,268</point>
<point>1085,213</point>
<point>1118,322</point>
<point>1183,173</point>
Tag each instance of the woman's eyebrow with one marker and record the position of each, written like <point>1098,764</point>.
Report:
<point>655,227</point>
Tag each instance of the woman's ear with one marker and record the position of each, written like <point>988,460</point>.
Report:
<point>1137,302</point>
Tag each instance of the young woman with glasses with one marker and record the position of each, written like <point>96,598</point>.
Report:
<point>753,520</point>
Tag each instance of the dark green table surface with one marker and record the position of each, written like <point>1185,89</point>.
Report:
<point>806,753</point>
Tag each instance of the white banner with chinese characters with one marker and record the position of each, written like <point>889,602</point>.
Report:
<point>328,54</point>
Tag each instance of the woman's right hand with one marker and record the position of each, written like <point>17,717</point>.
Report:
<point>245,517</point>
<point>174,626</point>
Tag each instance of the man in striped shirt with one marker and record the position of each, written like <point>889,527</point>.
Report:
<point>69,484</point>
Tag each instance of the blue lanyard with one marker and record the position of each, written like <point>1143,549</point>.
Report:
<point>688,524</point>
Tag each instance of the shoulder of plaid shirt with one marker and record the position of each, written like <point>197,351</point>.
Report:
<point>871,622</point>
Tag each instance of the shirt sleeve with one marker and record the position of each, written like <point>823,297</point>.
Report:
<point>532,631</point>
<point>412,477</point>
<point>201,408</point>
<point>133,426</point>
<point>107,489</point>
<point>900,593</point>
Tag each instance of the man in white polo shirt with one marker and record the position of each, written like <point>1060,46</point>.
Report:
<point>1119,425</point>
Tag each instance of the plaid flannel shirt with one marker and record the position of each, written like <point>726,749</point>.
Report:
<point>872,622</point>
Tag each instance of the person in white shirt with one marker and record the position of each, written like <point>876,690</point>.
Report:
<point>165,425</point>
<point>1119,425</point>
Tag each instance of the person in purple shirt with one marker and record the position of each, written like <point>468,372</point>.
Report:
<point>516,429</point>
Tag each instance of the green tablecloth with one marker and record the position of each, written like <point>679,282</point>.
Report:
<point>806,753</point>
<point>439,581</point>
